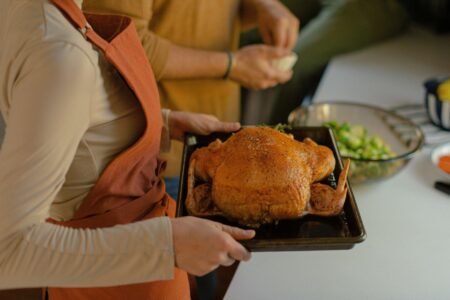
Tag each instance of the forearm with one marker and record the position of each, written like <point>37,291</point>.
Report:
<point>183,62</point>
<point>51,255</point>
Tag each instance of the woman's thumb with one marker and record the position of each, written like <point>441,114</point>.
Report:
<point>228,126</point>
<point>238,233</point>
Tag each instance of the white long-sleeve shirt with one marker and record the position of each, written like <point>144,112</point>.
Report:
<point>68,113</point>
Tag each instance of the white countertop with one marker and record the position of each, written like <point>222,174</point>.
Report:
<point>406,254</point>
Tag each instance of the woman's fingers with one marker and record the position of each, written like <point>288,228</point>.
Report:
<point>226,126</point>
<point>201,245</point>
<point>236,250</point>
<point>181,122</point>
<point>227,260</point>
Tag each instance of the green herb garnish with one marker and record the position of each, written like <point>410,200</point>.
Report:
<point>282,127</point>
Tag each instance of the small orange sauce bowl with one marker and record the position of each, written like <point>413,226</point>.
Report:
<point>440,156</point>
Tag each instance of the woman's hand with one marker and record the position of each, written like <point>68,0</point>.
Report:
<point>277,25</point>
<point>202,245</point>
<point>253,67</point>
<point>181,122</point>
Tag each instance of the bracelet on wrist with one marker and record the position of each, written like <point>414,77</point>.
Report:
<point>229,65</point>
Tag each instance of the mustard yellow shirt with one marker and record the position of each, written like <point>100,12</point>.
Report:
<point>200,24</point>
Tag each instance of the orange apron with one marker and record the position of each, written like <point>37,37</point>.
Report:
<point>130,189</point>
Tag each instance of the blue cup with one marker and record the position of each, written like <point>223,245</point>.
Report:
<point>438,110</point>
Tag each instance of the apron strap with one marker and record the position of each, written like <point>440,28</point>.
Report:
<point>73,13</point>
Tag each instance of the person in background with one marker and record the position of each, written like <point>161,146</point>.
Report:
<point>83,207</point>
<point>193,48</point>
<point>334,27</point>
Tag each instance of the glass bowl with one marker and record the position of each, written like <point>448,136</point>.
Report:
<point>400,134</point>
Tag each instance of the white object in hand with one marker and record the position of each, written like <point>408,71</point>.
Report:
<point>285,63</point>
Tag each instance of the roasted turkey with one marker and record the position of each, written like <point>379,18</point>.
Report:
<point>260,175</point>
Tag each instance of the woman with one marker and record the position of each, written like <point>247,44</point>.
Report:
<point>83,132</point>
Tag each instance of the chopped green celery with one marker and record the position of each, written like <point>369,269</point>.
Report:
<point>358,131</point>
<point>354,141</point>
<point>377,142</point>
